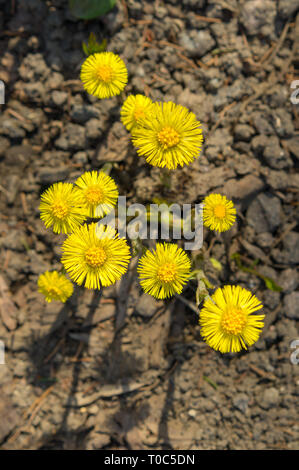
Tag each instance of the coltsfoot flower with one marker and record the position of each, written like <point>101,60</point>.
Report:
<point>164,271</point>
<point>227,319</point>
<point>99,193</point>
<point>55,286</point>
<point>61,207</point>
<point>134,109</point>
<point>219,213</point>
<point>104,74</point>
<point>95,256</point>
<point>169,137</point>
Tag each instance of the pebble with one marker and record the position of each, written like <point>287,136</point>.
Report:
<point>240,402</point>
<point>264,239</point>
<point>82,113</point>
<point>290,249</point>
<point>4,145</point>
<point>59,97</point>
<point>244,132</point>
<point>147,306</point>
<point>257,17</point>
<point>10,127</point>
<point>289,280</point>
<point>12,188</point>
<point>293,146</point>
<point>49,175</point>
<point>264,213</point>
<point>72,138</point>
<point>269,398</point>
<point>291,305</point>
<point>275,156</point>
<point>196,43</point>
<point>286,8</point>
<point>80,157</point>
<point>247,186</point>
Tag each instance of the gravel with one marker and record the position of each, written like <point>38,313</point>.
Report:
<point>232,72</point>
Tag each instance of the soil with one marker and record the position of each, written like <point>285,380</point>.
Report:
<point>118,369</point>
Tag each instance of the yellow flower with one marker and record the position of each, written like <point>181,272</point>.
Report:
<point>219,213</point>
<point>99,193</point>
<point>95,256</point>
<point>55,286</point>
<point>134,109</point>
<point>227,321</point>
<point>164,271</point>
<point>104,74</point>
<point>169,137</point>
<point>61,207</point>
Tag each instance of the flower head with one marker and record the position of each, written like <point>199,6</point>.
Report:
<point>61,207</point>
<point>134,110</point>
<point>104,74</point>
<point>169,137</point>
<point>227,321</point>
<point>164,271</point>
<point>219,213</point>
<point>95,256</point>
<point>55,286</point>
<point>99,193</point>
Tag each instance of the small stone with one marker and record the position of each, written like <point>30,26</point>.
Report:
<point>289,280</point>
<point>72,138</point>
<point>4,145</point>
<point>264,213</point>
<point>12,188</point>
<point>13,240</point>
<point>219,142</point>
<point>192,413</point>
<point>208,405</point>
<point>147,306</point>
<point>10,127</point>
<point>34,92</point>
<point>59,97</point>
<point>116,147</point>
<point>196,103</point>
<point>290,252</point>
<point>278,179</point>
<point>258,143</point>
<point>82,113</point>
<point>48,175</point>
<point>54,81</point>
<point>282,123</point>
<point>80,157</point>
<point>19,155</point>
<point>264,239</point>
<point>196,43</point>
<point>293,146</point>
<point>244,188</point>
<point>34,68</point>
<point>277,96</point>
<point>271,299</point>
<point>257,17</point>
<point>240,402</point>
<point>291,305</point>
<point>275,156</point>
<point>287,7</point>
<point>244,132</point>
<point>94,129</point>
<point>261,123</point>
<point>269,398</point>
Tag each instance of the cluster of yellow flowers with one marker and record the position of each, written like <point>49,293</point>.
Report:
<point>167,135</point>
